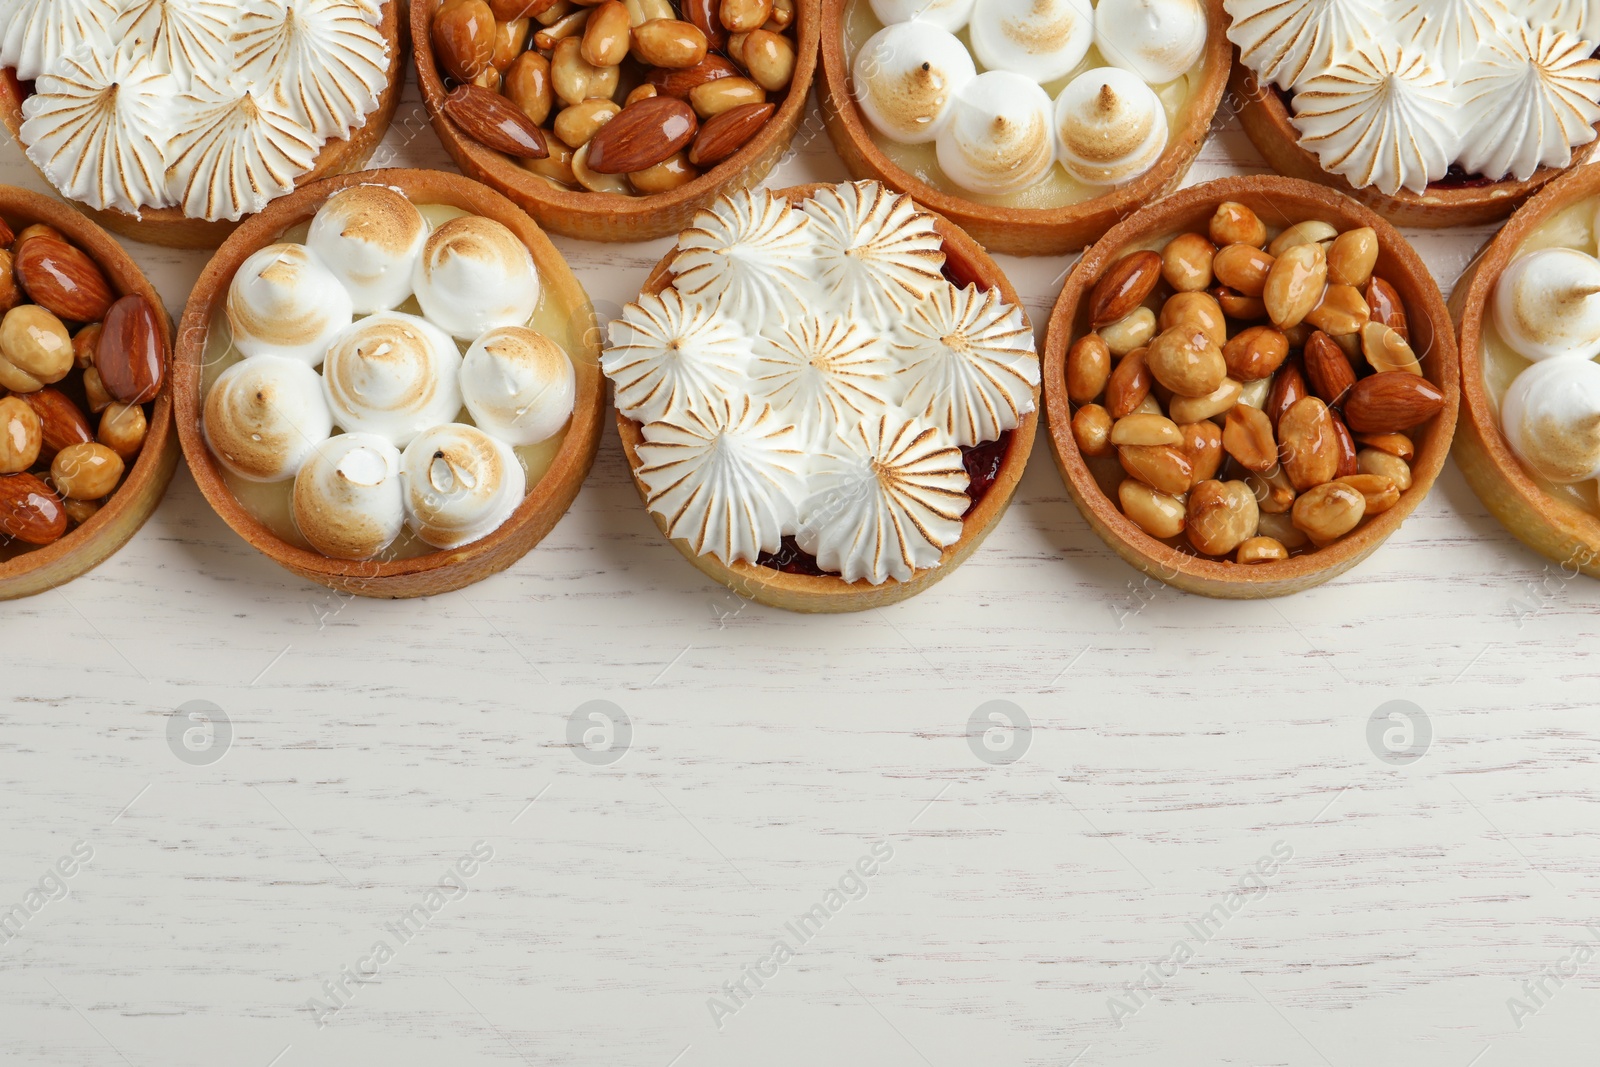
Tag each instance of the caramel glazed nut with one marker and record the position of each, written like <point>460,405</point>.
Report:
<point>631,97</point>
<point>1250,399</point>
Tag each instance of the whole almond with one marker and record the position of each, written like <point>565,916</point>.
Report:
<point>1386,307</point>
<point>1392,402</point>
<point>1128,385</point>
<point>1308,445</point>
<point>1123,287</point>
<point>1327,370</point>
<point>644,134</point>
<point>62,279</point>
<point>703,13</point>
<point>679,83</point>
<point>1255,352</point>
<point>722,135</point>
<point>1247,436</point>
<point>129,354</point>
<point>61,423</point>
<point>30,511</point>
<point>10,292</point>
<point>1295,285</point>
<point>1288,386</point>
<point>1347,446</point>
<point>495,122</point>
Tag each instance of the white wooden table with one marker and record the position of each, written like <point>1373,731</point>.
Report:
<point>1174,743</point>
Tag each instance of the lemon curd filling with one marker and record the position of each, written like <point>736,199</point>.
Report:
<point>269,502</point>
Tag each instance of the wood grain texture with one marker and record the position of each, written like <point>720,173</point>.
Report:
<point>1174,740</point>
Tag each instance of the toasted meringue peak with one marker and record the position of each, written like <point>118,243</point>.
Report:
<point>184,37</point>
<point>821,371</point>
<point>1159,40</point>
<point>999,136</point>
<point>907,76</point>
<point>1039,39</point>
<point>264,416</point>
<point>1383,116</point>
<point>461,484</point>
<point>348,501</point>
<point>475,275</point>
<point>96,125</point>
<point>1110,127</point>
<point>747,253</point>
<point>370,237</point>
<point>668,356</point>
<point>325,63</point>
<point>393,375</point>
<point>1286,41</point>
<point>1535,98</point>
<point>876,253</point>
<point>1547,305</point>
<point>886,502</point>
<point>518,384</point>
<point>1453,30</point>
<point>948,15</point>
<point>727,479</point>
<point>36,34</point>
<point>1551,417</point>
<point>235,152</point>
<point>970,364</point>
<point>284,302</point>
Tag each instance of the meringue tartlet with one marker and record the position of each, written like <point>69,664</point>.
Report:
<point>825,396</point>
<point>408,469</point>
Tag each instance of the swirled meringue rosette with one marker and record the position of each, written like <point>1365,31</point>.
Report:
<point>210,107</point>
<point>1422,103</point>
<point>819,391</point>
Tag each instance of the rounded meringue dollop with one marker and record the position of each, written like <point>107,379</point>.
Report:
<point>970,364</point>
<point>998,138</point>
<point>264,415</point>
<point>1039,39</point>
<point>348,501</point>
<point>283,301</point>
<point>946,14</point>
<point>1551,418</point>
<point>728,479</point>
<point>393,375</point>
<point>518,384</point>
<point>474,275</point>
<point>1533,99</point>
<point>1110,127</point>
<point>1547,305</point>
<point>1159,40</point>
<point>370,237</point>
<point>907,76</point>
<point>1382,115</point>
<point>461,484</point>
<point>886,501</point>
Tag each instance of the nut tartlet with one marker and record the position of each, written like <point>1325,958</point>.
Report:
<point>372,395</point>
<point>1026,230</point>
<point>592,213</point>
<point>1384,374</point>
<point>1556,520</point>
<point>346,61</point>
<point>96,531</point>
<point>788,446</point>
<point>1484,105</point>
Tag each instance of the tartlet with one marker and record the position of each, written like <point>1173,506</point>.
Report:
<point>1278,202</point>
<point>1463,64</point>
<point>595,216</point>
<point>89,544</point>
<point>1022,231</point>
<point>433,571</point>
<point>965,263</point>
<point>1552,526</point>
<point>170,226</point>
